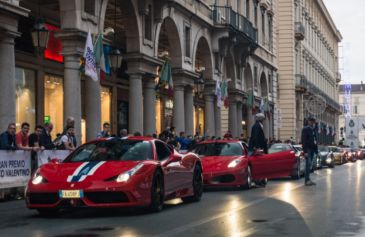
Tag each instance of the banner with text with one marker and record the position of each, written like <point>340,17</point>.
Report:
<point>47,155</point>
<point>14,168</point>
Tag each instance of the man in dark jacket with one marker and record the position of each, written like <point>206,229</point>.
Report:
<point>46,137</point>
<point>309,143</point>
<point>7,138</point>
<point>257,138</point>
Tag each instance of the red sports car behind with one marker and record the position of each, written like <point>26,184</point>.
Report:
<point>137,171</point>
<point>226,163</point>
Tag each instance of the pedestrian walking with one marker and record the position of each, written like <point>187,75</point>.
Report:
<point>7,138</point>
<point>309,143</point>
<point>257,138</point>
<point>105,132</point>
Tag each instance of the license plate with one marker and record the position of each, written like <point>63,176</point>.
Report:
<point>71,194</point>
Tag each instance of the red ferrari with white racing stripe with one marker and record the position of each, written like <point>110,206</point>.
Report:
<point>114,172</point>
<point>227,163</point>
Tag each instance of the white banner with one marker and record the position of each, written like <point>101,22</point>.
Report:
<point>14,168</point>
<point>47,155</point>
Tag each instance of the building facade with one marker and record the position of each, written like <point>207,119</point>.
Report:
<point>308,68</point>
<point>230,41</point>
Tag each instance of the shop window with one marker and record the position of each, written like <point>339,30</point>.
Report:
<point>105,105</point>
<point>122,115</point>
<point>168,113</point>
<point>198,121</point>
<point>25,97</point>
<point>53,102</point>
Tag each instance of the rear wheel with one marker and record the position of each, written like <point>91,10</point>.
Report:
<point>157,192</point>
<point>197,186</point>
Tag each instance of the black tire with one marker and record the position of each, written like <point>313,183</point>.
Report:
<point>249,181</point>
<point>48,212</point>
<point>296,174</point>
<point>197,186</point>
<point>157,192</point>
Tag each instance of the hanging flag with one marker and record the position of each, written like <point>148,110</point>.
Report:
<point>266,108</point>
<point>262,104</point>
<point>90,64</point>
<point>218,93</point>
<point>224,92</point>
<point>165,79</point>
<point>327,130</point>
<point>334,131</point>
<point>250,98</point>
<point>99,56</point>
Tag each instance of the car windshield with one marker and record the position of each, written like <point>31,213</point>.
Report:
<point>323,149</point>
<point>112,150</point>
<point>333,149</point>
<point>278,148</point>
<point>218,149</point>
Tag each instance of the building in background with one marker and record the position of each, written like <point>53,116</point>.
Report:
<point>308,68</point>
<point>352,121</point>
<point>202,42</point>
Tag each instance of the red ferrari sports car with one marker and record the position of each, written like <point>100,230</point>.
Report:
<point>114,172</point>
<point>226,163</point>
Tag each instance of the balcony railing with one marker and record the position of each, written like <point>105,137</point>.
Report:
<point>303,82</point>
<point>299,31</point>
<point>223,15</point>
<point>338,77</point>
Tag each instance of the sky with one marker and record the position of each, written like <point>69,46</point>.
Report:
<point>349,17</point>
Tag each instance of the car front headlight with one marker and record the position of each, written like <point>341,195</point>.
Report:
<point>124,177</point>
<point>37,178</point>
<point>234,163</point>
<point>328,160</point>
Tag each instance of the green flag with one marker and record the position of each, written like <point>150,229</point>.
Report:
<point>250,98</point>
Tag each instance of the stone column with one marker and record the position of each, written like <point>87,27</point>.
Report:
<point>250,121</point>
<point>73,43</point>
<point>135,104</point>
<point>189,111</point>
<point>179,109</point>
<point>217,118</point>
<point>92,108</point>
<point>9,31</point>
<point>7,81</point>
<point>209,115</point>
<point>149,113</point>
<point>239,119</point>
<point>267,127</point>
<point>233,118</point>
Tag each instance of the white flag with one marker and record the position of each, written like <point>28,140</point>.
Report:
<point>262,106</point>
<point>218,93</point>
<point>90,64</point>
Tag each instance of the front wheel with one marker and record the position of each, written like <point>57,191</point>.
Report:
<point>197,186</point>
<point>249,182</point>
<point>157,192</point>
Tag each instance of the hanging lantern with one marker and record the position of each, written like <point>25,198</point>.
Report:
<point>40,35</point>
<point>115,59</point>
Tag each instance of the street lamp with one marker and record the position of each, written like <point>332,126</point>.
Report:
<point>115,55</point>
<point>40,35</point>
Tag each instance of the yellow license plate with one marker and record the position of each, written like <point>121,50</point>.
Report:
<point>71,194</point>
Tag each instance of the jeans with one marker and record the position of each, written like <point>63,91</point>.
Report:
<point>308,164</point>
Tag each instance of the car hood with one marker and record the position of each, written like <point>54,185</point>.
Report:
<point>217,163</point>
<point>323,153</point>
<point>90,171</point>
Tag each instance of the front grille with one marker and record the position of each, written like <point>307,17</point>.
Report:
<point>43,198</point>
<point>227,178</point>
<point>106,197</point>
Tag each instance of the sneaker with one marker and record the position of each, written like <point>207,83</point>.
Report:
<point>310,183</point>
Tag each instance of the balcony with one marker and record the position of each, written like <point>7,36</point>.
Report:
<point>300,83</point>
<point>224,16</point>
<point>338,77</point>
<point>299,31</point>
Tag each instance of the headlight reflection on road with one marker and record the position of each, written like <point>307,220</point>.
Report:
<point>286,194</point>
<point>234,227</point>
<point>358,185</point>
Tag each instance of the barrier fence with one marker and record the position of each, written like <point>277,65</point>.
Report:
<point>15,166</point>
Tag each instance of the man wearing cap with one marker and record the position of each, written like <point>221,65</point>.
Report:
<point>257,138</point>
<point>309,143</point>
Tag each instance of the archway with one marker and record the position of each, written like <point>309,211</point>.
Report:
<point>168,50</point>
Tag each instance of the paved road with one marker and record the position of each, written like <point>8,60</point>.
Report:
<point>284,208</point>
